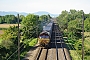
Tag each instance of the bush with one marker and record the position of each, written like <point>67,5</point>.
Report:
<point>78,45</point>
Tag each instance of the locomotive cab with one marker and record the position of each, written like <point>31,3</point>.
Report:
<point>45,35</point>
<point>44,38</point>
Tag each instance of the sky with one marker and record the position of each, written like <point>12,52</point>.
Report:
<point>51,6</point>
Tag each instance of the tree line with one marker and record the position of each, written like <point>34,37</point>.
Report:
<point>10,19</point>
<point>70,23</point>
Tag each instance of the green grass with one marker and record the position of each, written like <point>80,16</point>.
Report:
<point>87,58</point>
<point>87,46</point>
<point>74,55</point>
<point>87,43</point>
<point>0,40</point>
<point>33,42</point>
<point>87,40</point>
<point>86,34</point>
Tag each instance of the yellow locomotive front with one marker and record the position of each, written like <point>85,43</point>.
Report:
<point>44,39</point>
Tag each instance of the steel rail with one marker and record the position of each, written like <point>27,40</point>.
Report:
<point>38,53</point>
<point>56,48</point>
<point>62,47</point>
<point>56,44</point>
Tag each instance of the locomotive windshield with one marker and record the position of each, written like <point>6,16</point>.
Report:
<point>44,36</point>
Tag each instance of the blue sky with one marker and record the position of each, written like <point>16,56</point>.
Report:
<point>52,6</point>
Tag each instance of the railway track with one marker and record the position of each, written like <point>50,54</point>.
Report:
<point>57,49</point>
<point>59,44</point>
<point>42,54</point>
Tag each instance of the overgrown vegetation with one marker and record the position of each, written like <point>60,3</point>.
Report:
<point>71,24</point>
<point>30,27</point>
<point>29,44</point>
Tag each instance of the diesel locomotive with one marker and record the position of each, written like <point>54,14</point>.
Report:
<point>45,35</point>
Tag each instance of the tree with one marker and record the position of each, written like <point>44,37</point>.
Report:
<point>11,35</point>
<point>44,18</point>
<point>9,43</point>
<point>87,24</point>
<point>29,24</point>
<point>73,29</point>
<point>63,20</point>
<point>10,19</point>
<point>73,11</point>
<point>2,19</point>
<point>21,18</point>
